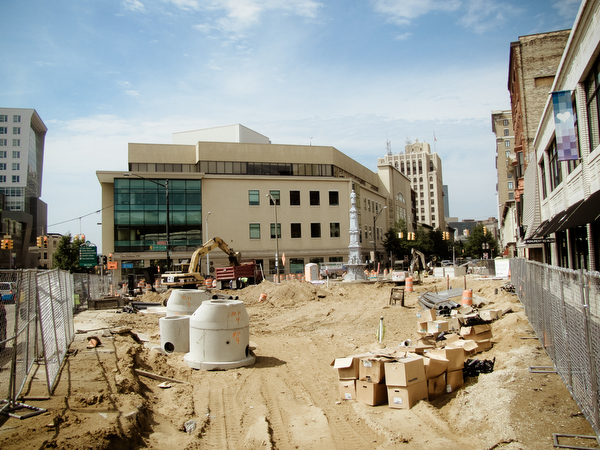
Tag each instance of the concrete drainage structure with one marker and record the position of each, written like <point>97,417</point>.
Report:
<point>175,334</point>
<point>183,302</point>
<point>219,336</point>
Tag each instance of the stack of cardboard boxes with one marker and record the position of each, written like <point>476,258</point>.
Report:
<point>427,370</point>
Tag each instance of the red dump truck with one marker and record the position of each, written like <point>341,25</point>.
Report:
<point>237,277</point>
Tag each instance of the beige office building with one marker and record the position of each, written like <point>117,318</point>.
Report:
<point>424,169</point>
<point>222,182</point>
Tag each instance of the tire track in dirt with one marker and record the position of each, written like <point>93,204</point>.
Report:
<point>223,418</point>
<point>280,438</point>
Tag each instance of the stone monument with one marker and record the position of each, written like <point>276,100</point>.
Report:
<point>355,266</point>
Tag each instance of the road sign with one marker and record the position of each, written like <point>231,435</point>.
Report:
<point>112,265</point>
<point>88,256</point>
<point>158,248</point>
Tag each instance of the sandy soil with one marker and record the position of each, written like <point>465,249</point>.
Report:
<point>289,398</point>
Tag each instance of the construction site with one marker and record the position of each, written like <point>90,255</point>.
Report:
<point>119,386</point>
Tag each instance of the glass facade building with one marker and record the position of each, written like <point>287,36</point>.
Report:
<point>141,214</point>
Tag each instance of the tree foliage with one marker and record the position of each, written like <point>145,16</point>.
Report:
<point>476,240</point>
<point>66,255</point>
<point>428,242</point>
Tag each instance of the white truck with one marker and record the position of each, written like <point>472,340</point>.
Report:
<point>332,270</point>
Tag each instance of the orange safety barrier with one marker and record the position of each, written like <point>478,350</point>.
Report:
<point>408,286</point>
<point>467,297</point>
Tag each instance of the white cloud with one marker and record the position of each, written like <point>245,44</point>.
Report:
<point>483,15</point>
<point>134,5</point>
<point>567,8</point>
<point>403,12</point>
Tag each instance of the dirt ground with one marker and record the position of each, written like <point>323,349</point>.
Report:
<point>289,398</point>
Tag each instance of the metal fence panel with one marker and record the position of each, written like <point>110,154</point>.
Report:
<point>563,307</point>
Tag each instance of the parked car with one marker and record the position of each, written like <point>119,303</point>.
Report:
<point>7,292</point>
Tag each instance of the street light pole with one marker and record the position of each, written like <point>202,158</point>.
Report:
<point>206,240</point>
<point>276,237</point>
<point>375,217</point>
<point>166,186</point>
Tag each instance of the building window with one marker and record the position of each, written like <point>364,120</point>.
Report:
<point>555,168</point>
<point>3,142</point>
<point>592,86</point>
<point>3,118</point>
<point>16,154</point>
<point>3,130</point>
<point>507,143</point>
<point>16,130</point>
<point>507,154</point>
<point>334,198</point>
<point>543,180</point>
<point>315,230</point>
<point>15,178</point>
<point>315,199</point>
<point>16,166</point>
<point>16,119</point>
<point>296,230</point>
<point>255,231</point>
<point>274,196</point>
<point>253,197</point>
<point>506,132</point>
<point>505,122</point>
<point>3,154</point>
<point>16,142</point>
<point>334,229</point>
<point>510,185</point>
<point>422,202</point>
<point>431,186</point>
<point>278,231</point>
<point>3,178</point>
<point>295,198</point>
<point>2,166</point>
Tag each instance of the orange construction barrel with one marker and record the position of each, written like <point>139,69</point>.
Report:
<point>408,286</point>
<point>263,297</point>
<point>467,297</point>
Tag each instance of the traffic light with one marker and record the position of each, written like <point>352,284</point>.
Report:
<point>3,244</point>
<point>411,236</point>
<point>104,259</point>
<point>401,235</point>
<point>39,242</point>
<point>9,243</point>
<point>45,241</point>
<point>110,256</point>
<point>484,231</point>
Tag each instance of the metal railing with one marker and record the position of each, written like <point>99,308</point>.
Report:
<point>563,307</point>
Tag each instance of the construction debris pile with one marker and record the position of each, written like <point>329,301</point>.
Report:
<point>449,335</point>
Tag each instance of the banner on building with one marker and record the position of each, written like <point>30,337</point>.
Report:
<point>564,123</point>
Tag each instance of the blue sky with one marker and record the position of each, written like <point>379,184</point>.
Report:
<point>351,74</point>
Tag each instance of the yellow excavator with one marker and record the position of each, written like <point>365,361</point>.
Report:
<point>193,277</point>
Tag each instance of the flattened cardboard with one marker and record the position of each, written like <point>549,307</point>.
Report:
<point>405,397</point>
<point>405,371</point>
<point>347,389</point>
<point>371,393</point>
<point>436,387</point>
<point>469,346</point>
<point>454,380</point>
<point>490,314</point>
<point>484,345</point>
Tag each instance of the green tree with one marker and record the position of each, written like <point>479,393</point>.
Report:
<point>476,240</point>
<point>66,256</point>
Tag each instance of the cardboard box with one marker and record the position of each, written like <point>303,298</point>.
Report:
<point>372,368</point>
<point>347,367</point>
<point>454,355</point>
<point>422,326</point>
<point>437,326</point>
<point>405,397</point>
<point>454,380</point>
<point>371,393</point>
<point>484,345</point>
<point>434,366</point>
<point>427,315</point>
<point>453,324</point>
<point>469,346</point>
<point>450,338</point>
<point>405,371</point>
<point>347,389</point>
<point>419,348</point>
<point>491,314</point>
<point>436,387</point>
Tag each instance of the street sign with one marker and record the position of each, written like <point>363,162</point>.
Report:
<point>158,248</point>
<point>112,265</point>
<point>88,256</point>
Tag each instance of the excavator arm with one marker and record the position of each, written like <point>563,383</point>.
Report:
<point>234,257</point>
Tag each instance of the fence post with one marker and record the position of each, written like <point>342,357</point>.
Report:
<point>585,295</point>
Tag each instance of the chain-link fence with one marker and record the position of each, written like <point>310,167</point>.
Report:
<point>563,307</point>
<point>87,287</point>
<point>36,322</point>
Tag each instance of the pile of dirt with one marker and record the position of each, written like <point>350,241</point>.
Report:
<point>127,394</point>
